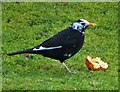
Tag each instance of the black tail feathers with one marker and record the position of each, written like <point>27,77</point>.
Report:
<point>19,52</point>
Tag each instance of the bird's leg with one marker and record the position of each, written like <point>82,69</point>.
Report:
<point>27,56</point>
<point>67,68</point>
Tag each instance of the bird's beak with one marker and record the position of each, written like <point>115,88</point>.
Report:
<point>91,24</point>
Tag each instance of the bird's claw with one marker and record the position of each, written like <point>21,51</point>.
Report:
<point>72,72</point>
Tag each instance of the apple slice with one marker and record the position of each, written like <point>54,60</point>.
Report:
<point>95,64</point>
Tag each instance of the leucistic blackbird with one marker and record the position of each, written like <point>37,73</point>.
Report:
<point>63,45</point>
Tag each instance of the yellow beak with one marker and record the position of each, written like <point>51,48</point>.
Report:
<point>91,24</point>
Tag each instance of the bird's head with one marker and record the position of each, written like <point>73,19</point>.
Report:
<point>84,23</point>
<point>81,24</point>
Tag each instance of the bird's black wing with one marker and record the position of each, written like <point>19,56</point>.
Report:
<point>66,37</point>
<point>62,45</point>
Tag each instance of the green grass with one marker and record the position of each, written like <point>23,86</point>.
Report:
<point>25,25</point>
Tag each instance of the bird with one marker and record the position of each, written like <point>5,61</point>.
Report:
<point>62,45</point>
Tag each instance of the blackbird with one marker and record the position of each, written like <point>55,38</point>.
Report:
<point>63,45</point>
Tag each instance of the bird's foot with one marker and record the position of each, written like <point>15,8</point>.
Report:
<point>73,72</point>
<point>68,68</point>
<point>27,56</point>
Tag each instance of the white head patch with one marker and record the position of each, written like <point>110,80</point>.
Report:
<point>77,26</point>
<point>80,25</point>
<point>85,21</point>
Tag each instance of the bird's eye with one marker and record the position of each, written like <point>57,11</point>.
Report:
<point>82,23</point>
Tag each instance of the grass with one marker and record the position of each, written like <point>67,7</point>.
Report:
<point>25,25</point>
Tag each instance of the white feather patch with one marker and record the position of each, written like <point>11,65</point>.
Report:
<point>46,48</point>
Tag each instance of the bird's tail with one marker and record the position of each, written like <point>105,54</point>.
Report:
<point>20,52</point>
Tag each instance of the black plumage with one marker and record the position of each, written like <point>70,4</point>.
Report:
<point>63,45</point>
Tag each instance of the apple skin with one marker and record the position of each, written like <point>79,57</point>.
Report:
<point>90,66</point>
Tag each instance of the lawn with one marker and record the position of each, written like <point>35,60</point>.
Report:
<point>25,25</point>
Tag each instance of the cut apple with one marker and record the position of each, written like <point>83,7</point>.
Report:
<point>95,64</point>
